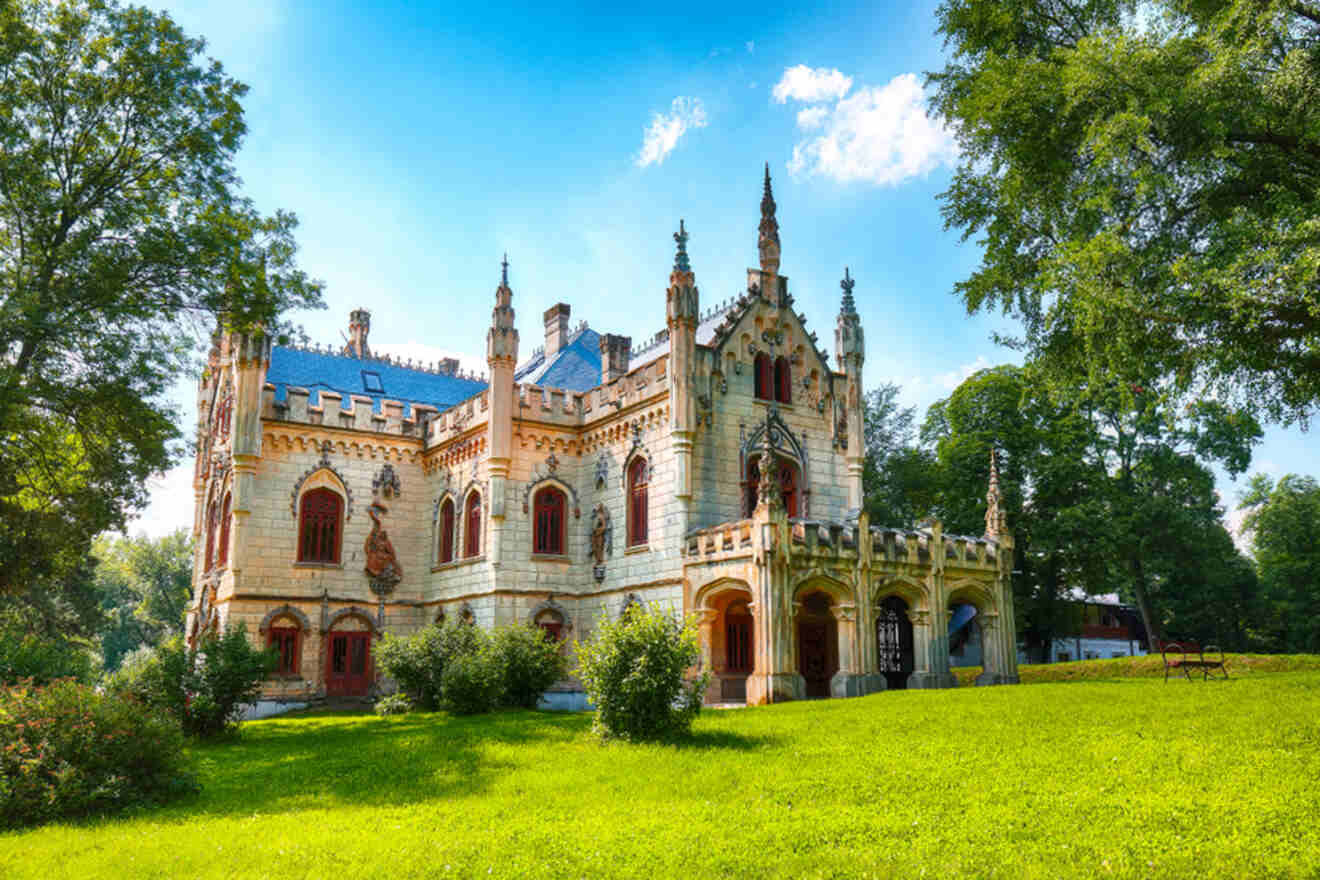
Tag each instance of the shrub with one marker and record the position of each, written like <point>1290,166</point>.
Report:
<point>634,672</point>
<point>67,751</point>
<point>25,657</point>
<point>529,662</point>
<point>394,704</point>
<point>417,662</point>
<point>471,682</point>
<point>204,689</point>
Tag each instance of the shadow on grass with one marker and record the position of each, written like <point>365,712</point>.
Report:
<point>280,765</point>
<point>721,740</point>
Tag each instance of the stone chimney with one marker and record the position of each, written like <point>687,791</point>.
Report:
<point>448,366</point>
<point>614,353</point>
<point>359,325</point>
<point>556,329</point>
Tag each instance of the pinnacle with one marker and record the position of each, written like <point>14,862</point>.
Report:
<point>681,263</point>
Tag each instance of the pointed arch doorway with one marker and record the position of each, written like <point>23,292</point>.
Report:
<point>818,644</point>
<point>895,655</point>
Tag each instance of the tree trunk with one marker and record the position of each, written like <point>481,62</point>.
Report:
<point>1153,637</point>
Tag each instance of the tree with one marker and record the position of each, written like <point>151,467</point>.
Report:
<point>897,474</point>
<point>1101,490</point>
<point>145,585</point>
<point>122,233</point>
<point>1283,520</point>
<point>1143,177</point>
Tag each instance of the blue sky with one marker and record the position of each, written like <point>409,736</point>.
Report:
<point>418,142</point>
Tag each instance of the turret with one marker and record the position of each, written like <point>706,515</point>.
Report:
<point>850,352</point>
<point>359,325</point>
<point>501,357</point>
<point>682,311</point>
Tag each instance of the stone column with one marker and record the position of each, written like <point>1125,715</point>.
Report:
<point>847,682</point>
<point>707,619</point>
<point>991,650</point>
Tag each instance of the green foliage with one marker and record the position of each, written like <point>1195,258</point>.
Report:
<point>122,235</point>
<point>417,662</point>
<point>393,704</point>
<point>898,476</point>
<point>1283,520</point>
<point>67,751</point>
<point>1103,491</point>
<point>635,670</point>
<point>529,663</point>
<point>40,660</point>
<point>204,689</point>
<point>831,788</point>
<point>472,682</point>
<point>1142,178</point>
<point>1149,666</point>
<point>145,585</point>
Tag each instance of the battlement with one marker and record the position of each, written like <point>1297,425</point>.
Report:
<point>357,413</point>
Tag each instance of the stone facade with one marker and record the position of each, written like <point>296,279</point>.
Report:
<point>748,443</point>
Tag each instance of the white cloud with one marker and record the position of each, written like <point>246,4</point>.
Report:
<point>811,118</point>
<point>879,134</point>
<point>802,83</point>
<point>751,46</point>
<point>665,129</point>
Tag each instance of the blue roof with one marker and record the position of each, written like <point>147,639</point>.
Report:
<point>575,367</point>
<point>380,380</point>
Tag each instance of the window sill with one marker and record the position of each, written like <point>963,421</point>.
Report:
<point>318,565</point>
<point>551,557</point>
<point>459,563</point>
<point>639,548</point>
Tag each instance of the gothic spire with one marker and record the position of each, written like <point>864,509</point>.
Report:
<point>768,240</point>
<point>681,263</point>
<point>849,307</point>
<point>504,270</point>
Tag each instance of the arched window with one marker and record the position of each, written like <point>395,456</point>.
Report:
<point>472,526</point>
<point>284,639</point>
<point>210,536</point>
<point>783,380</point>
<point>551,623</point>
<point>788,487</point>
<point>638,512</point>
<point>447,531</point>
<point>548,528</point>
<point>223,550</point>
<point>765,377</point>
<point>318,526</point>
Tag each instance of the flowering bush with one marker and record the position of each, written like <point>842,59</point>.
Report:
<point>634,670</point>
<point>67,751</point>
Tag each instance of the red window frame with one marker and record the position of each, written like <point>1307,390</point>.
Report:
<point>764,371</point>
<point>222,558</point>
<point>638,502</point>
<point>286,642</point>
<point>783,380</point>
<point>447,531</point>
<point>738,640</point>
<point>472,526</point>
<point>210,536</point>
<point>319,526</point>
<point>548,525</point>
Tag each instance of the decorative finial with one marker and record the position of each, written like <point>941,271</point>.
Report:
<point>768,243</point>
<point>849,307</point>
<point>504,270</point>
<point>994,516</point>
<point>681,263</point>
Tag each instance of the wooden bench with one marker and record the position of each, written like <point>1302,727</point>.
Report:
<point>1189,655</point>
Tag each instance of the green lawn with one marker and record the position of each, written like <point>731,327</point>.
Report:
<point>1128,778</point>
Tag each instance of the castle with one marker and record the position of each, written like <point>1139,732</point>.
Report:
<point>715,470</point>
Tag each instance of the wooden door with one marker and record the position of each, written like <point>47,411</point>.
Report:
<point>348,672</point>
<point>814,657</point>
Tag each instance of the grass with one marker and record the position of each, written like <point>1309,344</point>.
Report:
<point>1122,778</point>
<point>1150,666</point>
